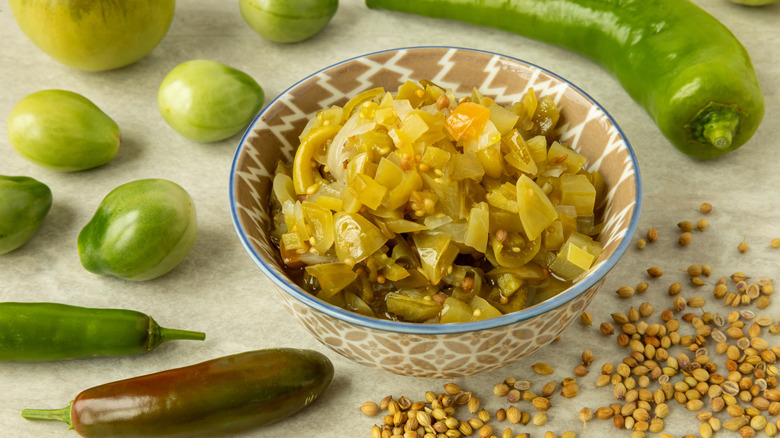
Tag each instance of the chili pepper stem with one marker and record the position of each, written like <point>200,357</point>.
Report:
<point>62,414</point>
<point>158,335</point>
<point>719,134</point>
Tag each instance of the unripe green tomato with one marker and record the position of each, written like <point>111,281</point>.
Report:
<point>94,35</point>
<point>62,130</point>
<point>287,21</point>
<point>24,203</point>
<point>208,101</point>
<point>140,231</point>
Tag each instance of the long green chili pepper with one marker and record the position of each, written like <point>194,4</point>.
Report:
<point>213,398</point>
<point>688,71</point>
<point>40,332</point>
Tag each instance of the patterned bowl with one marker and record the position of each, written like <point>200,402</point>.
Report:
<point>424,350</point>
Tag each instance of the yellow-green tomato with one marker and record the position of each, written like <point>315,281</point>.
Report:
<point>140,231</point>
<point>94,35</point>
<point>287,21</point>
<point>207,101</point>
<point>24,203</point>
<point>62,130</point>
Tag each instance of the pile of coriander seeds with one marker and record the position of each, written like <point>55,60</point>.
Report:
<point>709,353</point>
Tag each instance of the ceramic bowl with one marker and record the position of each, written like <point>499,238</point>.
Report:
<point>426,350</point>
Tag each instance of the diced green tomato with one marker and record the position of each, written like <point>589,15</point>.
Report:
<point>409,91</point>
<point>388,173</point>
<point>289,244</point>
<point>455,310</point>
<point>502,118</point>
<point>435,157</point>
<point>465,166</point>
<point>479,227</point>
<point>357,165</point>
<point>437,252</point>
<point>481,309</point>
<point>553,236</point>
<point>576,190</point>
<point>504,220</point>
<point>300,226</point>
<point>499,199</point>
<point>369,192</point>
<point>414,125</point>
<point>401,226</point>
<point>586,243</point>
<point>535,209</point>
<point>508,284</point>
<point>333,277</point>
<point>283,188</point>
<point>412,308</point>
<point>519,156</point>
<point>395,272</point>
<point>447,192</point>
<point>491,160</point>
<point>357,305</point>
<point>517,301</point>
<point>402,190</point>
<point>321,221</point>
<point>356,237</point>
<point>553,288</point>
<point>467,120</point>
<point>537,146</point>
<point>571,262</point>
<point>329,202</point>
<point>559,153</point>
<point>350,201</point>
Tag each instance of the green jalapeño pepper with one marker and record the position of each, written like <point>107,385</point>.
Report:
<point>213,398</point>
<point>688,71</point>
<point>41,332</point>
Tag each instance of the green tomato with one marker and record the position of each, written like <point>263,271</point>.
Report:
<point>140,231</point>
<point>62,130</point>
<point>24,202</point>
<point>287,21</point>
<point>94,35</point>
<point>207,101</point>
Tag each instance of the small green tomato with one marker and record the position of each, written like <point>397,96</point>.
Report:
<point>62,130</point>
<point>287,21</point>
<point>140,231</point>
<point>207,101</point>
<point>24,203</point>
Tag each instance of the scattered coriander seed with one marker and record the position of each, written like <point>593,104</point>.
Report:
<point>369,408</point>
<point>539,419</point>
<point>641,287</point>
<point>655,272</point>
<point>607,329</point>
<point>585,416</point>
<point>587,357</point>
<point>685,238</point>
<point>743,247</point>
<point>702,224</point>
<point>542,368</point>
<point>452,388</point>
<point>705,208</point>
<point>775,243</point>
<point>580,371</point>
<point>652,235</point>
<point>685,226</point>
<point>586,318</point>
<point>675,288</point>
<point>625,291</point>
<point>641,243</point>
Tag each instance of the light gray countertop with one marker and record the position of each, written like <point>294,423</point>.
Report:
<point>218,289</point>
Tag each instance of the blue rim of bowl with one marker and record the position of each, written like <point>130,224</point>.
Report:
<point>438,329</point>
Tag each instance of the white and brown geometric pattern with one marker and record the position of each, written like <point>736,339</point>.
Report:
<point>445,350</point>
